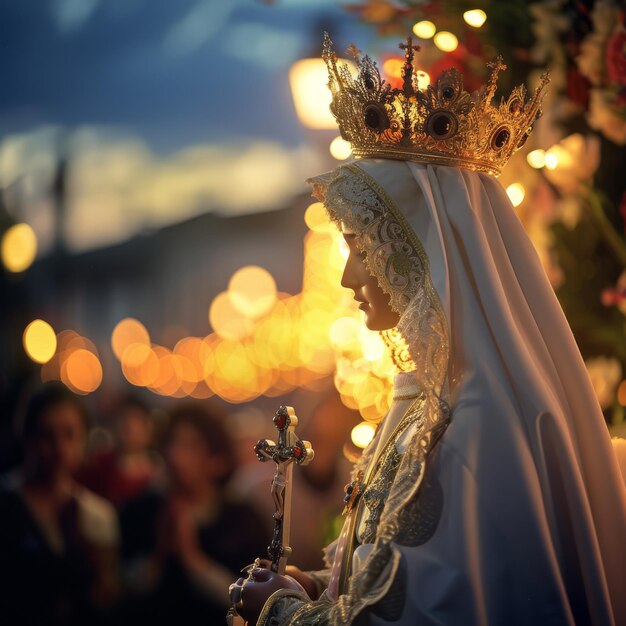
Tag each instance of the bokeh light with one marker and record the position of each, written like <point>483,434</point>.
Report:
<point>536,158</point>
<point>362,434</point>
<point>446,41</point>
<point>265,342</point>
<point>475,17</point>
<point>516,193</point>
<point>345,331</point>
<point>40,341</point>
<point>393,67</point>
<point>316,217</point>
<point>557,156</point>
<point>19,248</point>
<point>140,364</point>
<point>423,79</point>
<point>252,291</point>
<point>82,371</point>
<point>340,149</point>
<point>226,320</point>
<point>424,29</point>
<point>126,332</point>
<point>308,79</point>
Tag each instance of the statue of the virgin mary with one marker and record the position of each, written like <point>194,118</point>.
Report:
<point>490,494</point>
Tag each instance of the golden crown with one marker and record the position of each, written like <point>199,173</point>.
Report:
<point>439,124</point>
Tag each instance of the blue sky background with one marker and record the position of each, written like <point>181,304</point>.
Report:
<point>173,72</point>
<point>169,109</point>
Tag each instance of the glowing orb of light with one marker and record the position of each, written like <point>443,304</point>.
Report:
<point>393,67</point>
<point>475,17</point>
<point>340,149</point>
<point>308,79</point>
<point>252,291</point>
<point>19,247</point>
<point>536,158</point>
<point>316,217</point>
<point>424,29</point>
<point>445,41</point>
<point>557,156</point>
<point>362,434</point>
<point>422,79</point>
<point>226,320</point>
<point>40,341</point>
<point>140,364</point>
<point>516,193</point>
<point>128,331</point>
<point>82,371</point>
<point>344,331</point>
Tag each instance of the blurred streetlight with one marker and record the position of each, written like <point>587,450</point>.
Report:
<point>362,434</point>
<point>424,29</point>
<point>40,341</point>
<point>536,158</point>
<point>19,247</point>
<point>308,79</point>
<point>445,41</point>
<point>340,149</point>
<point>475,17</point>
<point>516,193</point>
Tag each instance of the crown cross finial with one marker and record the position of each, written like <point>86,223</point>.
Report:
<point>407,69</point>
<point>496,66</point>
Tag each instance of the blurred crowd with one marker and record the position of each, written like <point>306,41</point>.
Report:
<point>146,520</point>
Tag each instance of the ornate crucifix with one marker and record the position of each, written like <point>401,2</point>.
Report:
<point>407,69</point>
<point>289,450</point>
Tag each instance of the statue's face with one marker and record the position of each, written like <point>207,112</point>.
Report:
<point>373,301</point>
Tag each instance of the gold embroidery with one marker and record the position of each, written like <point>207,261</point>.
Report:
<point>384,471</point>
<point>398,349</point>
<point>386,458</point>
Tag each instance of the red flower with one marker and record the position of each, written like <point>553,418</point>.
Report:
<point>616,58</point>
<point>577,87</point>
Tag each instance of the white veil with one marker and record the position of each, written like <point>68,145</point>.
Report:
<point>535,505</point>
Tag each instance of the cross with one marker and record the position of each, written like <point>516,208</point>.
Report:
<point>407,68</point>
<point>496,66</point>
<point>289,449</point>
<point>409,47</point>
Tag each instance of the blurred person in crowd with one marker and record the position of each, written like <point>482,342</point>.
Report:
<point>58,540</point>
<point>182,546</point>
<point>124,472</point>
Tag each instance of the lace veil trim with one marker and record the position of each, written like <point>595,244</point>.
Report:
<point>396,257</point>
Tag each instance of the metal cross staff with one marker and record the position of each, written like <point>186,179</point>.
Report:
<point>288,450</point>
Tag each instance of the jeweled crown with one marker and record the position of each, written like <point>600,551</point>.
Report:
<point>439,124</point>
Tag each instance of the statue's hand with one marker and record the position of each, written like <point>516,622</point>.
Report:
<point>248,595</point>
